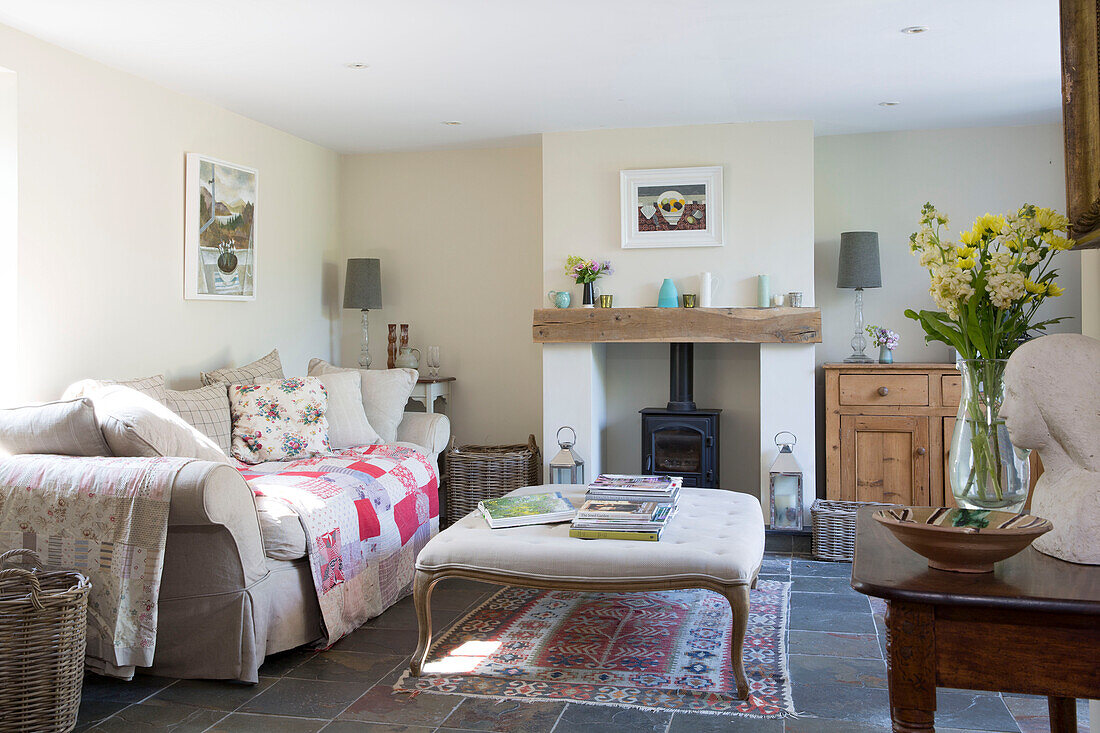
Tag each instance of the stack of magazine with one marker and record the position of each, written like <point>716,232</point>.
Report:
<point>621,507</point>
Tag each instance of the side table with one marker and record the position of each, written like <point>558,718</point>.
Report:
<point>430,389</point>
<point>1031,626</point>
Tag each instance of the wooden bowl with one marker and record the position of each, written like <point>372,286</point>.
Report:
<point>962,540</point>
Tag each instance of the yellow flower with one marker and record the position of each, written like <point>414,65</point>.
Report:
<point>964,252</point>
<point>969,238</point>
<point>964,263</point>
<point>1053,290</point>
<point>989,223</point>
<point>1057,242</point>
<point>1035,288</point>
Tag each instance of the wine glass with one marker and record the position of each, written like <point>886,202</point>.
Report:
<point>433,362</point>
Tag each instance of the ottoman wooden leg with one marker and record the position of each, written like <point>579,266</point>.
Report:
<point>422,595</point>
<point>738,596</point>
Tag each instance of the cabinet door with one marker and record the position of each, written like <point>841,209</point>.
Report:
<point>885,458</point>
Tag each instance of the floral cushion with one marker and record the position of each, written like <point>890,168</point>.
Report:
<point>279,420</point>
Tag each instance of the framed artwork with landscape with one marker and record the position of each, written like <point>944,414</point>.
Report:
<point>672,207</point>
<point>220,230</point>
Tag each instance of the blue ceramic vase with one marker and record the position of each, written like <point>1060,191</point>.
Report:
<point>669,297</point>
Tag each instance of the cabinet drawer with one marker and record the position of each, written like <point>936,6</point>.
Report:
<point>884,389</point>
<point>952,387</point>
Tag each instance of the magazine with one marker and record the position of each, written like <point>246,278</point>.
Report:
<point>518,511</point>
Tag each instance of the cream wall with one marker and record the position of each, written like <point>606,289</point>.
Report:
<point>9,243</point>
<point>1090,293</point>
<point>880,181</point>
<point>768,196</point>
<point>101,174</point>
<point>459,234</point>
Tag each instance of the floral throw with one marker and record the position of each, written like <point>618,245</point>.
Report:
<point>279,420</point>
<point>108,519</point>
<point>366,512</point>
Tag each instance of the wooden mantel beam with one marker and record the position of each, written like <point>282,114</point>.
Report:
<point>667,325</point>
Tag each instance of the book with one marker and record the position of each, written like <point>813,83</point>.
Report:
<point>518,511</point>
<point>660,518</point>
<point>628,482</point>
<point>606,534</point>
<point>602,509</point>
<point>616,495</point>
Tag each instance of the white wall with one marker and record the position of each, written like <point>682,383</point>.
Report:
<point>101,176</point>
<point>879,182</point>
<point>9,243</point>
<point>459,234</point>
<point>768,196</point>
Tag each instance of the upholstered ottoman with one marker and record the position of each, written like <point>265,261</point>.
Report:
<point>716,541</point>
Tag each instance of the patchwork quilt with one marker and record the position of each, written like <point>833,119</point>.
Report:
<point>366,512</point>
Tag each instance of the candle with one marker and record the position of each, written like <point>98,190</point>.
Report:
<point>763,291</point>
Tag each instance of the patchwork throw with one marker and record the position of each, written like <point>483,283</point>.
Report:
<point>366,512</point>
<point>106,518</point>
<point>660,650</point>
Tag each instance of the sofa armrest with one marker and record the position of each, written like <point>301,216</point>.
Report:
<point>429,430</point>
<point>214,543</point>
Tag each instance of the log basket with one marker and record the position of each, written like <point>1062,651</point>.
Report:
<point>479,472</point>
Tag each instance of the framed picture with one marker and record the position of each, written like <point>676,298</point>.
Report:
<point>672,207</point>
<point>220,230</point>
<point>1080,120</point>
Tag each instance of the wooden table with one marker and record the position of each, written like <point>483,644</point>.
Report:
<point>1031,626</point>
<point>429,389</point>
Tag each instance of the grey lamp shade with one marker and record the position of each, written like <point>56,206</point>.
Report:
<point>363,285</point>
<point>859,265</point>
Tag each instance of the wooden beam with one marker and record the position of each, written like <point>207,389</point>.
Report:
<point>667,325</point>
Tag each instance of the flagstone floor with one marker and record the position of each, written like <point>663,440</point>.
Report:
<point>836,663</point>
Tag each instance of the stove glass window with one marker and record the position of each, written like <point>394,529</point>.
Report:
<point>677,450</point>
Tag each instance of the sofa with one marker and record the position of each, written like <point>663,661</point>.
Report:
<point>236,581</point>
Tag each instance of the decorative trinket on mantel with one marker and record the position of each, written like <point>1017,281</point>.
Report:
<point>586,272</point>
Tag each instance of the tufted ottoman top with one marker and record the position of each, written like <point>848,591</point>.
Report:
<point>715,534</point>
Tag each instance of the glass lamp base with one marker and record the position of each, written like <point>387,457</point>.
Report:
<point>859,359</point>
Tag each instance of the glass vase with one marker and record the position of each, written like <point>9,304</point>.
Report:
<point>987,471</point>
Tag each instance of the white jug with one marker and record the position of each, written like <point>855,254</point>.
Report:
<point>708,283</point>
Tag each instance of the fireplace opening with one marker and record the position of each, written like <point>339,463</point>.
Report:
<point>680,439</point>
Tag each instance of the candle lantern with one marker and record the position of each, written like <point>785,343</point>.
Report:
<point>566,467</point>
<point>785,486</point>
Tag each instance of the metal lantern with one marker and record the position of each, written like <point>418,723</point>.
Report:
<point>566,467</point>
<point>785,486</point>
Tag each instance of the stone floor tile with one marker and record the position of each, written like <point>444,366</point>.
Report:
<point>253,723</point>
<point>819,568</point>
<point>155,716</point>
<point>866,705</point>
<point>702,723</point>
<point>93,711</point>
<point>610,719</point>
<point>212,694</point>
<point>831,612</point>
<point>837,671</point>
<point>403,616</point>
<point>379,641</point>
<point>826,725</point>
<point>834,644</point>
<point>973,710</point>
<point>110,689</point>
<point>305,698</point>
<point>776,542</point>
<point>776,565</point>
<point>1032,714</point>
<point>366,669</point>
<point>276,665</point>
<point>821,584</point>
<point>354,726</point>
<point>505,715</point>
<point>381,704</point>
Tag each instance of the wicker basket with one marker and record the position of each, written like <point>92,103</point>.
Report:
<point>479,472</point>
<point>835,528</point>
<point>43,624</point>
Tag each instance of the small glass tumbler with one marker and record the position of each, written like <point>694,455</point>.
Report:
<point>689,300</point>
<point>794,299</point>
<point>433,362</point>
<point>605,301</point>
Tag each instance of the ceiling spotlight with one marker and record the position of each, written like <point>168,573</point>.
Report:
<point>357,65</point>
<point>450,122</point>
<point>912,30</point>
<point>888,104</point>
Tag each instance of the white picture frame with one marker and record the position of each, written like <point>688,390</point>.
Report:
<point>225,270</point>
<point>641,193</point>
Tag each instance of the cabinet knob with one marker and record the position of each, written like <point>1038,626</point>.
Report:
<point>921,451</point>
<point>884,391</point>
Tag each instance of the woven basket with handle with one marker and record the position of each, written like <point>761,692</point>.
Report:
<point>835,528</point>
<point>43,626</point>
<point>479,472</point>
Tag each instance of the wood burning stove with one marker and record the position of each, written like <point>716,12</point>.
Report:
<point>681,439</point>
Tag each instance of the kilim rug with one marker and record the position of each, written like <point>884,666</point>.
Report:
<point>666,650</point>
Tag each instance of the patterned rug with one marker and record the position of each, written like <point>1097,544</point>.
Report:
<point>667,650</point>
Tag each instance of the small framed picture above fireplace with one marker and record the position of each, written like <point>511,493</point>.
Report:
<point>672,207</point>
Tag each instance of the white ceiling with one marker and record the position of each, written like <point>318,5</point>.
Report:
<point>509,69</point>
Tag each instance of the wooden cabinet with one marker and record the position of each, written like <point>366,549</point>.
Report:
<point>888,430</point>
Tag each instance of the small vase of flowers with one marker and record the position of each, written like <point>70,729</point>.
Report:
<point>586,272</point>
<point>990,286</point>
<point>886,341</point>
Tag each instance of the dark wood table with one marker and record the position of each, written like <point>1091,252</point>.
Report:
<point>1031,626</point>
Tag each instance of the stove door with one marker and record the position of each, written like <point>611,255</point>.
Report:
<point>676,449</point>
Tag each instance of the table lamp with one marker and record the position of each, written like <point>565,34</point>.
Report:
<point>363,290</point>
<point>859,269</point>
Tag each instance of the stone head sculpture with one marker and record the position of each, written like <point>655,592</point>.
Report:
<point>1052,405</point>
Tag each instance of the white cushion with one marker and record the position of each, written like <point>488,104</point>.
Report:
<point>385,394</point>
<point>67,428</point>
<point>135,424</point>
<point>281,529</point>
<point>715,534</point>
<point>348,426</point>
<point>206,409</point>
